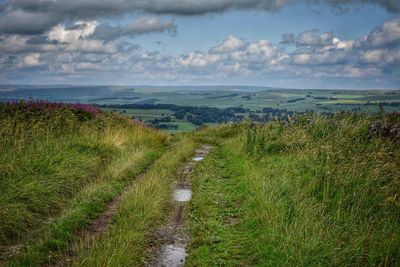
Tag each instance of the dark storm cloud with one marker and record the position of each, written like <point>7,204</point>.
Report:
<point>37,16</point>
<point>21,22</point>
<point>392,6</point>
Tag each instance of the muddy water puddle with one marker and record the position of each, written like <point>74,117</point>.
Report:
<point>183,194</point>
<point>174,255</point>
<point>173,238</point>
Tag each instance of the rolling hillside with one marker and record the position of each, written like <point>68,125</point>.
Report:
<point>84,187</point>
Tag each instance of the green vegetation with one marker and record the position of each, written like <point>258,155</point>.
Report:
<point>254,100</point>
<point>319,192</point>
<point>176,106</point>
<point>141,209</point>
<point>310,190</point>
<point>218,239</point>
<point>59,167</point>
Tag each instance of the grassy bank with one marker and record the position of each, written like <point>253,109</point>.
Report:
<point>59,166</point>
<point>319,192</point>
<point>141,209</point>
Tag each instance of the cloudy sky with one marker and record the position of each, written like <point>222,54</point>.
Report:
<point>283,43</point>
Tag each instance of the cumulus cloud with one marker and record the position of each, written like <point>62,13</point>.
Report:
<point>59,39</point>
<point>235,56</point>
<point>29,61</point>
<point>308,38</point>
<point>80,30</point>
<point>312,38</point>
<point>386,35</point>
<point>381,56</point>
<point>197,59</point>
<point>324,49</point>
<point>326,57</point>
<point>19,44</point>
<point>77,49</point>
<point>230,44</point>
<point>382,46</point>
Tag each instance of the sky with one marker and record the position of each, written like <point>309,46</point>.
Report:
<point>346,44</point>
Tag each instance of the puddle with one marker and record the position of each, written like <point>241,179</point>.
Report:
<point>174,236</point>
<point>183,195</point>
<point>198,158</point>
<point>174,256</point>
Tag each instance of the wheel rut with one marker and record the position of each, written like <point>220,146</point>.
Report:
<point>171,240</point>
<point>96,227</point>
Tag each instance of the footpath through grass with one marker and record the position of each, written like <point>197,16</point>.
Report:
<point>141,209</point>
<point>320,192</point>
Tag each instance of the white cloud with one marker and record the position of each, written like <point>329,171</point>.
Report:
<point>388,34</point>
<point>312,38</point>
<point>262,50</point>
<point>76,51</point>
<point>197,59</point>
<point>230,44</point>
<point>29,61</point>
<point>358,72</point>
<point>372,56</point>
<point>392,56</point>
<point>80,30</point>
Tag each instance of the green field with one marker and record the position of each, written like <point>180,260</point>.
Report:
<point>319,101</point>
<point>143,114</point>
<point>255,99</point>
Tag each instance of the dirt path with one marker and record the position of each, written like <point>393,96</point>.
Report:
<point>171,240</point>
<point>98,226</point>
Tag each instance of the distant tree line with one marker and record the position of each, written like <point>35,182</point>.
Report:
<point>368,103</point>
<point>193,114</point>
<point>203,114</point>
<point>295,100</point>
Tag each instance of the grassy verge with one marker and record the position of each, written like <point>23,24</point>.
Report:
<point>140,210</point>
<point>320,192</point>
<point>53,240</point>
<point>59,166</point>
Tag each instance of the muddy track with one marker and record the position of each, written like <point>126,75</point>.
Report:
<point>171,240</point>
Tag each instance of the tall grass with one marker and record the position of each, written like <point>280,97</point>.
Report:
<point>327,193</point>
<point>49,153</point>
<point>320,191</point>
